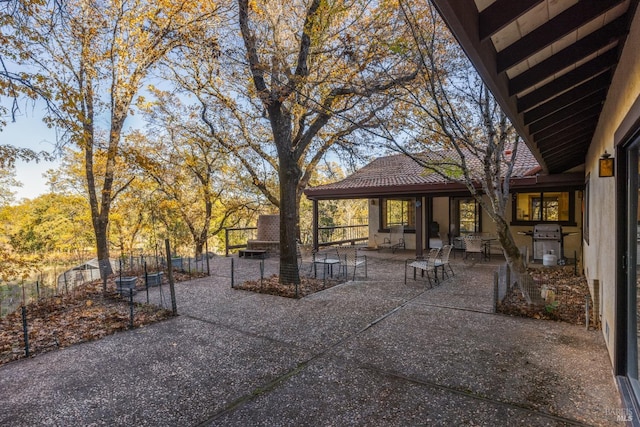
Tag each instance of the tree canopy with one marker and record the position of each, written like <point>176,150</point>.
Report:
<point>90,59</point>
<point>237,105</point>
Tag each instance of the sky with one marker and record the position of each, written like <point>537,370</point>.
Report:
<point>28,131</point>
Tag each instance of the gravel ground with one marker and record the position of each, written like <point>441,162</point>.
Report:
<point>375,351</point>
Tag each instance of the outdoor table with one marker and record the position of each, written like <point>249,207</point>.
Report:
<point>251,253</point>
<point>327,265</point>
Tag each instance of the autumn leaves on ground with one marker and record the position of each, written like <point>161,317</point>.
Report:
<point>83,315</point>
<point>566,298</point>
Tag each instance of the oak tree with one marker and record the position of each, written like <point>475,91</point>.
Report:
<point>458,126</point>
<point>91,59</point>
<point>200,181</point>
<point>304,78</point>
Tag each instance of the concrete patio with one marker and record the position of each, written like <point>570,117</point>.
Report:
<point>369,352</point>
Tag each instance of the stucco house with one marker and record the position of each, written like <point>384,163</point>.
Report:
<point>435,211</point>
<point>567,73</point>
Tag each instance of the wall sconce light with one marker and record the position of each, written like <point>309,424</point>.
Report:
<point>373,202</point>
<point>606,168</point>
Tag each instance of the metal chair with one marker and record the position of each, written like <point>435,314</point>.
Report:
<point>350,260</point>
<point>395,240</point>
<point>426,266</point>
<point>443,261</point>
<point>473,245</point>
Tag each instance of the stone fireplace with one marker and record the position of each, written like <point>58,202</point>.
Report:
<point>268,235</point>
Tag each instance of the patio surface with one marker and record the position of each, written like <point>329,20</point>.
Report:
<point>370,352</point>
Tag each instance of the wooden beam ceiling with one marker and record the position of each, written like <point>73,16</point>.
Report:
<point>549,63</point>
<point>558,27</point>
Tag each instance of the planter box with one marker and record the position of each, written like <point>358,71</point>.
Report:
<point>154,279</point>
<point>125,285</point>
<point>176,263</point>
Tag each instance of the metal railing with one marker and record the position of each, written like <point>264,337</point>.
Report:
<point>237,238</point>
<point>341,234</point>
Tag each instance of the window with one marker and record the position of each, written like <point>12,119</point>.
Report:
<point>465,216</point>
<point>397,212</point>
<point>550,206</point>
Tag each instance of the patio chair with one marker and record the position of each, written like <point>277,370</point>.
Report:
<point>395,240</point>
<point>426,266</point>
<point>305,258</point>
<point>458,245</point>
<point>443,261</point>
<point>350,260</point>
<point>473,245</point>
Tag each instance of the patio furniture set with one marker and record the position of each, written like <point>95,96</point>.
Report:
<point>475,244</point>
<point>346,260</point>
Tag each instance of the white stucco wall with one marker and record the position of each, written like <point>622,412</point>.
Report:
<point>441,214</point>
<point>599,254</point>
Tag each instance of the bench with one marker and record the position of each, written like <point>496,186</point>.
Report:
<point>252,253</point>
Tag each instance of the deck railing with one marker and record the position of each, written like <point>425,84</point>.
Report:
<point>341,234</point>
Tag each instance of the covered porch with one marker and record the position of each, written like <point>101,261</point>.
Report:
<point>434,212</point>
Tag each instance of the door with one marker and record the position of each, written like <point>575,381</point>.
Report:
<point>628,231</point>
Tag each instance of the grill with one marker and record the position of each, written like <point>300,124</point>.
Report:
<point>547,238</point>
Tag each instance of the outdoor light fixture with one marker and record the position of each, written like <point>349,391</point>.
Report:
<point>606,165</point>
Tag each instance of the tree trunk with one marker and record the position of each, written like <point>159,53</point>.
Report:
<point>289,177</point>
<point>99,219</point>
<point>100,227</point>
<point>515,261</point>
<point>199,248</point>
<point>511,252</point>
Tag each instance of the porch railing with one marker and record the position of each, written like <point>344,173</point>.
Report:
<point>341,234</point>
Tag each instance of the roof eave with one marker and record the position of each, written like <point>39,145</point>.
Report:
<point>559,181</point>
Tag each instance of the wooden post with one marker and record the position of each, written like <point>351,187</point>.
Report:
<point>174,307</point>
<point>316,243</point>
<point>419,228</point>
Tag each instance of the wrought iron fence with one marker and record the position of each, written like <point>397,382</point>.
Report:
<point>19,292</point>
<point>237,238</point>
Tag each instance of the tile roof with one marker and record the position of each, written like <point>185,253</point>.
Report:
<point>401,171</point>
